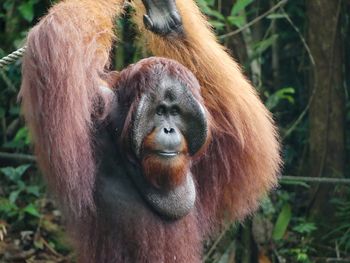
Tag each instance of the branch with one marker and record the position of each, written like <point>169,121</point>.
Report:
<point>326,180</point>
<point>18,157</point>
<point>255,20</point>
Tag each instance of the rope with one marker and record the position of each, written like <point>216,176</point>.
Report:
<point>13,57</point>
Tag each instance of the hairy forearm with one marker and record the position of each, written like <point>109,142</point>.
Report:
<point>240,124</point>
<point>198,49</point>
<point>92,18</point>
<point>67,53</point>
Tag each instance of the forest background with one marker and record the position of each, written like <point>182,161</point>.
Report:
<point>296,53</point>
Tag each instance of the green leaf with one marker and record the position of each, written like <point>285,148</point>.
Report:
<point>14,195</point>
<point>261,46</point>
<point>8,5</point>
<point>305,228</point>
<point>282,222</point>
<point>281,94</point>
<point>27,10</point>
<point>20,170</point>
<point>22,136</point>
<point>204,6</point>
<point>217,15</point>
<point>239,6</point>
<point>6,207</point>
<point>267,206</point>
<point>237,21</point>
<point>32,210</point>
<point>21,139</point>
<point>217,24</point>
<point>34,190</point>
<point>15,174</point>
<point>9,172</point>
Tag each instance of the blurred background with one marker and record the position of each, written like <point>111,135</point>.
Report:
<point>296,53</point>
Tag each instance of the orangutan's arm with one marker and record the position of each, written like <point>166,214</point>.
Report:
<point>63,70</point>
<point>244,136</point>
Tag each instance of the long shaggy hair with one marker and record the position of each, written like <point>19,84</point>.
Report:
<point>63,70</point>
<point>243,160</point>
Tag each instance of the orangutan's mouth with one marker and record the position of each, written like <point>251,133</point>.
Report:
<point>167,154</point>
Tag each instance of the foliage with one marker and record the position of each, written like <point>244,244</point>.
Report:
<point>341,233</point>
<point>12,208</point>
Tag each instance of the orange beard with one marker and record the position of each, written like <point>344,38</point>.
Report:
<point>164,172</point>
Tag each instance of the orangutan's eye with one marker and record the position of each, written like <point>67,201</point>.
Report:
<point>161,110</point>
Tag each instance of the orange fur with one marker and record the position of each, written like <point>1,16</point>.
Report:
<point>63,69</point>
<point>244,136</point>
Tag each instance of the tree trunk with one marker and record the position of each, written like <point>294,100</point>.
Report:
<point>327,109</point>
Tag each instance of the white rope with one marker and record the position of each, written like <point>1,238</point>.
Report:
<point>13,57</point>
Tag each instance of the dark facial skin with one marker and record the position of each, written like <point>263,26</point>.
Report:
<point>173,115</point>
<point>172,110</point>
<point>162,17</point>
